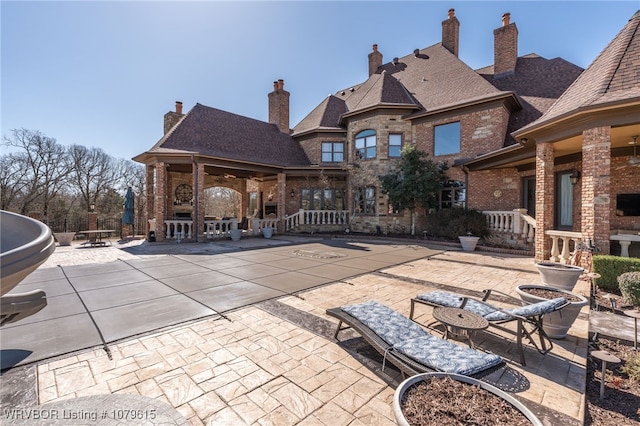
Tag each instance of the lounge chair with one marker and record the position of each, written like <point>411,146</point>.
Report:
<point>528,316</point>
<point>408,346</point>
<point>14,307</point>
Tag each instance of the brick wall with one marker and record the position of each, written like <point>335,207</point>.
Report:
<point>544,199</point>
<point>596,201</point>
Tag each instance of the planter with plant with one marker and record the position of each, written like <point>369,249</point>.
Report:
<point>443,398</point>
<point>556,324</point>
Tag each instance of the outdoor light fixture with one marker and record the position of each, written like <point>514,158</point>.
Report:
<point>92,207</point>
<point>575,175</point>
<point>523,141</point>
<point>293,193</point>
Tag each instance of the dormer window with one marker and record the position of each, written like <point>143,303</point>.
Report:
<point>366,144</point>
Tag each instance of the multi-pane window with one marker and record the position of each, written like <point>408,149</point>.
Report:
<point>365,200</point>
<point>395,145</point>
<point>366,144</point>
<point>332,152</point>
<point>322,199</point>
<point>453,194</point>
<point>447,139</point>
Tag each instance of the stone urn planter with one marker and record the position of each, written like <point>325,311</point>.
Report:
<point>236,234</point>
<point>267,232</point>
<point>468,242</point>
<point>556,324</point>
<point>559,275</point>
<point>64,238</point>
<point>405,387</point>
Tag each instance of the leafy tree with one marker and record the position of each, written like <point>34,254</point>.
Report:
<point>416,183</point>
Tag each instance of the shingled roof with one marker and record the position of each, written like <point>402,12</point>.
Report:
<point>324,117</point>
<point>538,82</point>
<point>612,77</point>
<point>221,134</point>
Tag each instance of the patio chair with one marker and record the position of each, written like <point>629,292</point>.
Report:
<point>14,307</point>
<point>408,346</point>
<point>528,316</point>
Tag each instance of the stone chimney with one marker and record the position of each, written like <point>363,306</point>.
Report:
<point>171,118</point>
<point>279,107</point>
<point>505,47</point>
<point>451,32</point>
<point>375,60</point>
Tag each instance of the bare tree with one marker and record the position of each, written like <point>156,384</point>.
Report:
<point>44,169</point>
<point>93,172</point>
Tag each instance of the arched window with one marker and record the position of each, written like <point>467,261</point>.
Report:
<point>366,144</point>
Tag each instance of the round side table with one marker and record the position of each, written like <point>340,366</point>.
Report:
<point>459,322</point>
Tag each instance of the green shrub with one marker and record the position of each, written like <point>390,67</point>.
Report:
<point>632,367</point>
<point>629,284</point>
<point>611,267</point>
<point>454,222</point>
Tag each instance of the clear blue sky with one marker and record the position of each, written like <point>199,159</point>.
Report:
<point>103,74</point>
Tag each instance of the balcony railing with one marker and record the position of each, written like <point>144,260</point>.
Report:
<point>515,222</point>
<point>316,217</point>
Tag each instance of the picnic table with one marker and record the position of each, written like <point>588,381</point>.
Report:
<point>97,237</point>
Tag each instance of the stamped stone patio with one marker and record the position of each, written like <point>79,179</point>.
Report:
<point>276,362</point>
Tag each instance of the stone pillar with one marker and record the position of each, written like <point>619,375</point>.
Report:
<point>93,221</point>
<point>544,199</point>
<point>198,205</point>
<point>282,200</point>
<point>160,199</point>
<point>596,184</point>
<point>150,197</point>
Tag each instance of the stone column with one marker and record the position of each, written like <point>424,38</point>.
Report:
<point>150,213</point>
<point>160,202</point>
<point>596,186</point>
<point>198,205</point>
<point>544,199</point>
<point>282,200</point>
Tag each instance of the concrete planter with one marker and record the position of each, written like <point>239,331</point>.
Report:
<point>236,234</point>
<point>267,232</point>
<point>64,238</point>
<point>468,243</point>
<point>405,385</point>
<point>556,324</point>
<point>559,275</point>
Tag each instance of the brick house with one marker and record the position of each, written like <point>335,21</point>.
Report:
<point>512,133</point>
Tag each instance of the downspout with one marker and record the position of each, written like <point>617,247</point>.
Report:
<point>194,219</point>
<point>465,170</point>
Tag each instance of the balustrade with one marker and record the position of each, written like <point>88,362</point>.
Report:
<point>562,243</point>
<point>178,229</point>
<point>219,228</point>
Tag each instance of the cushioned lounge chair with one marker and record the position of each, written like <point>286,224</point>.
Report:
<point>528,316</point>
<point>408,346</point>
<point>14,307</point>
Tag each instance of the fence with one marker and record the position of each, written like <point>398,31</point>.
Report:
<point>78,224</point>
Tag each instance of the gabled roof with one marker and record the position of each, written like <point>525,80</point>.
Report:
<point>324,117</point>
<point>220,134</point>
<point>612,77</point>
<point>379,90</point>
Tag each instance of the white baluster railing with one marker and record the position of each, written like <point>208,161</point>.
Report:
<point>220,228</point>
<point>179,229</point>
<point>562,243</point>
<point>515,222</point>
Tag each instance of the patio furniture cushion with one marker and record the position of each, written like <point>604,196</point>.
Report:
<point>391,326</point>
<point>445,356</point>
<point>539,308</point>
<point>453,300</point>
<point>408,338</point>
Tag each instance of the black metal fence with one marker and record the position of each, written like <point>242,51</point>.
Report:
<point>78,224</point>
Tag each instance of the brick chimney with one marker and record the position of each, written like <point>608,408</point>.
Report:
<point>505,47</point>
<point>279,107</point>
<point>451,32</point>
<point>375,60</point>
<point>171,118</point>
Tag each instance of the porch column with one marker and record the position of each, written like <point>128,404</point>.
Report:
<point>150,198</point>
<point>198,205</point>
<point>596,186</point>
<point>544,199</point>
<point>282,200</point>
<point>160,203</point>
